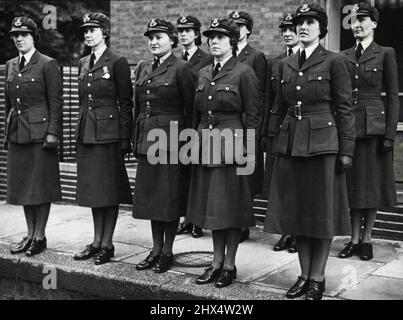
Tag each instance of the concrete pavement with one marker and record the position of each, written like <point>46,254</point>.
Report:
<point>262,273</point>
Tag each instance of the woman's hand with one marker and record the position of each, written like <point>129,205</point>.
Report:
<point>386,146</point>
<point>125,147</point>
<point>343,163</point>
<point>51,141</point>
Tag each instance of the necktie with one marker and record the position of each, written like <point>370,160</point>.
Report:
<point>156,63</point>
<point>302,58</point>
<point>358,51</point>
<point>22,63</point>
<point>216,69</point>
<point>92,60</point>
<point>185,56</point>
<point>290,52</point>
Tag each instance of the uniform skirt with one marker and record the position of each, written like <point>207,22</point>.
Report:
<point>307,198</point>
<point>268,166</point>
<point>101,176</point>
<point>371,180</point>
<point>32,174</point>
<point>219,198</point>
<point>161,191</point>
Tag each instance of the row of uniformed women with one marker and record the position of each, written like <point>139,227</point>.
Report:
<point>310,145</point>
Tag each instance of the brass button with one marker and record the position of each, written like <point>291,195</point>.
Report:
<point>166,83</point>
<point>227,88</point>
<point>44,119</point>
<point>375,69</point>
<point>329,123</point>
<point>272,78</point>
<point>90,95</point>
<point>18,99</point>
<point>110,116</point>
<point>383,112</point>
<point>210,126</point>
<point>89,84</point>
<point>209,112</point>
<point>148,103</point>
<point>300,74</point>
<point>357,65</point>
<point>19,111</point>
<point>90,74</point>
<point>210,97</point>
<point>356,76</point>
<point>319,78</point>
<point>17,86</point>
<point>298,88</point>
<point>148,91</point>
<point>19,75</point>
<point>212,83</point>
<point>299,103</point>
<point>34,79</point>
<point>89,108</point>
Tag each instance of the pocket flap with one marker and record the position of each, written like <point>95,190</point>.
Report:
<point>227,88</point>
<point>107,114</point>
<point>165,83</point>
<point>285,124</point>
<point>319,75</point>
<point>285,79</point>
<point>374,110</point>
<point>274,76</point>
<point>32,79</point>
<point>164,120</point>
<point>373,67</point>
<point>319,123</point>
<point>37,116</point>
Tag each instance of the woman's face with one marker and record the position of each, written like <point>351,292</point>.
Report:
<point>362,27</point>
<point>187,36</point>
<point>289,36</point>
<point>93,36</point>
<point>243,32</point>
<point>159,43</point>
<point>220,46</point>
<point>23,41</point>
<point>308,30</point>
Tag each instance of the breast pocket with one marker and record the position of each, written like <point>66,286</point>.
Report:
<point>107,124</point>
<point>319,82</point>
<point>274,81</point>
<point>285,84</point>
<point>373,74</point>
<point>167,89</point>
<point>33,83</point>
<point>323,136</point>
<point>228,95</point>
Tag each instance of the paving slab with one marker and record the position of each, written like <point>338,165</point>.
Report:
<point>392,269</point>
<point>376,288</point>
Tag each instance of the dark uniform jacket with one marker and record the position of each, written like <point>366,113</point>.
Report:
<point>33,99</point>
<point>257,61</point>
<point>376,70</point>
<point>319,94</point>
<point>221,101</point>
<point>200,59</point>
<point>105,93</point>
<point>271,117</point>
<point>161,96</point>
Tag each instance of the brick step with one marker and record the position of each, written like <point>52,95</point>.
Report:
<point>389,225</point>
<point>387,234</point>
<point>390,216</point>
<point>397,209</point>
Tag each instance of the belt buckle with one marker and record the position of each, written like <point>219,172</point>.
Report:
<point>148,111</point>
<point>355,95</point>
<point>298,112</point>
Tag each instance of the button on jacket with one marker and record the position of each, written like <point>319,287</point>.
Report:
<point>224,98</point>
<point>161,96</point>
<point>317,98</point>
<point>105,93</point>
<point>33,99</point>
<point>376,70</point>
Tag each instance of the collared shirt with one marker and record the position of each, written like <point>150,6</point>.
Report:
<point>164,57</point>
<point>222,63</point>
<point>99,52</point>
<point>27,55</point>
<point>191,52</point>
<point>309,50</point>
<point>294,49</point>
<point>365,44</point>
<point>241,46</point>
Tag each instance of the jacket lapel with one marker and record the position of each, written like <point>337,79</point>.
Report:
<point>103,59</point>
<point>315,58</point>
<point>350,54</point>
<point>196,57</point>
<point>369,53</point>
<point>224,70</point>
<point>34,59</point>
<point>163,67</point>
<point>292,61</point>
<point>244,53</point>
<point>15,68</point>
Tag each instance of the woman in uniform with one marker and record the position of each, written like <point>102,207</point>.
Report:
<point>308,192</point>
<point>371,181</point>
<point>163,97</point>
<point>103,135</point>
<point>219,198</point>
<point>33,101</point>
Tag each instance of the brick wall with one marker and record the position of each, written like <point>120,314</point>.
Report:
<point>129,21</point>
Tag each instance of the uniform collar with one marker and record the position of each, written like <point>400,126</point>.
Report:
<point>365,43</point>
<point>222,62</point>
<point>191,52</point>
<point>99,51</point>
<point>241,46</point>
<point>294,49</point>
<point>309,50</point>
<point>27,55</point>
<point>164,57</point>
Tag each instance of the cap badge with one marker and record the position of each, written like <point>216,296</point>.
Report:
<point>288,17</point>
<point>183,20</point>
<point>355,8</point>
<point>305,8</point>
<point>86,18</point>
<point>215,23</point>
<point>235,15</point>
<point>153,23</point>
<point>18,22</point>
